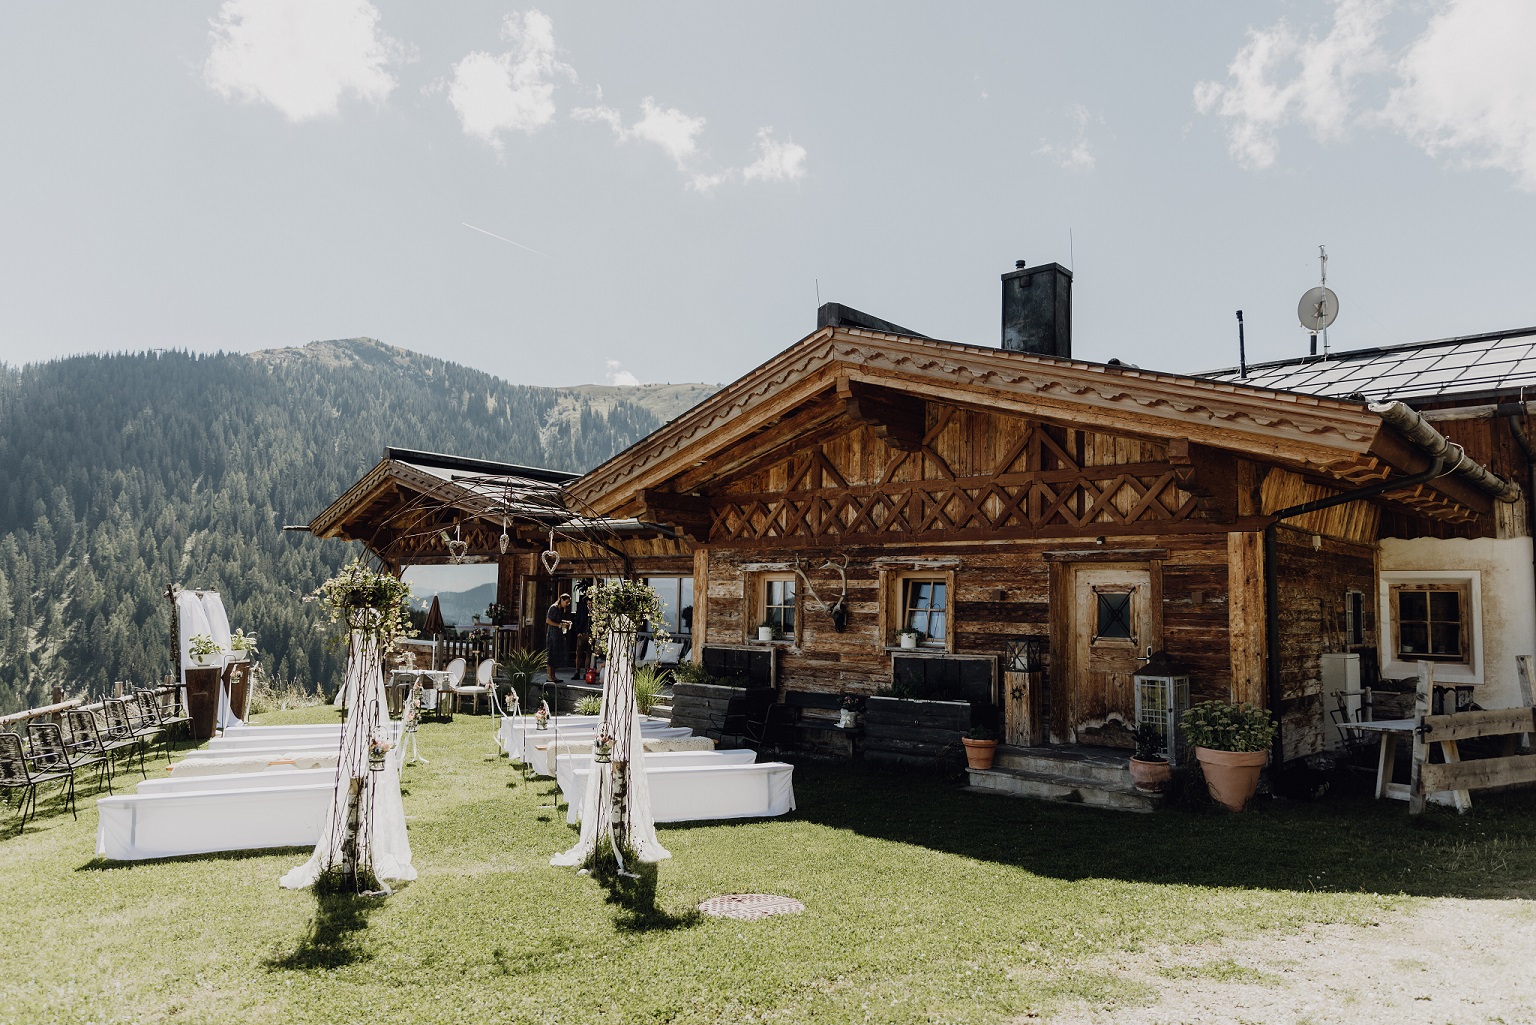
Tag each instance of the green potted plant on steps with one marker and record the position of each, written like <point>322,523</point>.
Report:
<point>1150,770</point>
<point>1232,744</point>
<point>980,747</point>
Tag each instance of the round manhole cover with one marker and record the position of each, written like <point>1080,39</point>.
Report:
<point>751,906</point>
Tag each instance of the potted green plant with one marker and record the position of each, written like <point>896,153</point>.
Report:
<point>980,747</point>
<point>908,637</point>
<point>1150,771</point>
<point>204,651</point>
<point>1232,744</point>
<point>765,631</point>
<point>243,645</point>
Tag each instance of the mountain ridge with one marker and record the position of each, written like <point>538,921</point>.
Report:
<point>129,471</point>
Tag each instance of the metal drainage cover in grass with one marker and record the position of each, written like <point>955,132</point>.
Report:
<point>751,906</point>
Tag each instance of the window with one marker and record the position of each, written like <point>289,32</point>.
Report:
<point>1114,620</point>
<point>778,604</point>
<point>1354,618</point>
<point>921,599</point>
<point>676,595</point>
<point>1431,622</point>
<point>1431,616</point>
<point>925,608</point>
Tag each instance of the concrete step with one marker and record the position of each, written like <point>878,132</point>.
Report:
<point>1050,786</point>
<point>661,711</point>
<point>1106,765</point>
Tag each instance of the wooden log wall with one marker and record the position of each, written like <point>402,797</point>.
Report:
<point>1314,577</point>
<point>1002,591</point>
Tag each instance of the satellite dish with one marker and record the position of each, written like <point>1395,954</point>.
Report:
<point>1318,308</point>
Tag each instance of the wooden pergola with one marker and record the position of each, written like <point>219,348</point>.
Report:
<point>425,508</point>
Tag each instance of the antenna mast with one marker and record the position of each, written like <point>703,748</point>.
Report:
<point>1322,263</point>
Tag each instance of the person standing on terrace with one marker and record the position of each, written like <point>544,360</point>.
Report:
<point>555,624</point>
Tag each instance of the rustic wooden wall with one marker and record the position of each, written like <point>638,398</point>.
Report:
<point>1002,591</point>
<point>1313,582</point>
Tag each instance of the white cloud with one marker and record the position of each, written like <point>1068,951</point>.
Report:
<point>673,131</point>
<point>300,56</point>
<point>777,161</point>
<point>1279,78</point>
<point>513,91</point>
<point>1468,87</point>
<point>1075,156</point>
<point>619,376</point>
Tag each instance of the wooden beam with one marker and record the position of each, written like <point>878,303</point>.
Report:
<point>686,514</point>
<point>1207,473</point>
<point>1491,722</point>
<point>898,418</point>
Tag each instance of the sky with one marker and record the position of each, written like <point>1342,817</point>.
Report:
<point>663,192</point>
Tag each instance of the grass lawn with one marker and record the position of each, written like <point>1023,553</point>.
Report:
<point>923,904</point>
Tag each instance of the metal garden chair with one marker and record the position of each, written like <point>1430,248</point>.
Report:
<point>121,732</point>
<point>52,752</point>
<point>18,776</point>
<point>84,736</point>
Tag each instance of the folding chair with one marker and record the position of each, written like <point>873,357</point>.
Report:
<point>17,775</point>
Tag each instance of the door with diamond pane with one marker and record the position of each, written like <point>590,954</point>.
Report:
<point>1112,623</point>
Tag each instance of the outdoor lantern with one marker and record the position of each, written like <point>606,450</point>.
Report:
<point>1162,695</point>
<point>1024,655</point>
<point>602,751</point>
<point>377,752</point>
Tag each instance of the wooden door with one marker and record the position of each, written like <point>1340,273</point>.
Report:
<point>1112,621</point>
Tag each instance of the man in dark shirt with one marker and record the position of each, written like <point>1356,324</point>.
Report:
<point>554,623</point>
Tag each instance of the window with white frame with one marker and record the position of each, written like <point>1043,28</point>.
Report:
<point>1435,617</point>
<point>777,603</point>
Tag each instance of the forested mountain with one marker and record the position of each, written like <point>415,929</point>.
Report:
<point>122,473</point>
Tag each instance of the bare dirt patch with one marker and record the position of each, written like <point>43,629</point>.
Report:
<point>1448,962</point>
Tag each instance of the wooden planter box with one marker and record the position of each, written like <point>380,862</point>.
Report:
<point>915,734</point>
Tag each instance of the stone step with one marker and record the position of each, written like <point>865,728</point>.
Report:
<point>1065,789</point>
<point>661,711</point>
<point>1103,765</point>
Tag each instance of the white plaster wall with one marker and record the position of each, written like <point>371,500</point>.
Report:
<point>1508,599</point>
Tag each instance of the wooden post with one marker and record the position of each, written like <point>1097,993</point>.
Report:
<point>700,604</point>
<point>1526,664</point>
<point>1420,744</point>
<point>1245,617</point>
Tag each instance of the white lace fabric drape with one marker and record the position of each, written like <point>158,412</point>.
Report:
<point>626,770</point>
<point>382,846</point>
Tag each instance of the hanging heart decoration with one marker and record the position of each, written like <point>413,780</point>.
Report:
<point>550,558</point>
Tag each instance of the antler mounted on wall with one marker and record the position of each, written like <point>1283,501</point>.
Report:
<point>838,609</point>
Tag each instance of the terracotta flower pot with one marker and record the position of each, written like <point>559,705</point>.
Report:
<point>1150,776</point>
<point>1231,776</point>
<point>979,753</point>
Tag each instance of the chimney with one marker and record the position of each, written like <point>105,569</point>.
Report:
<point>1037,310</point>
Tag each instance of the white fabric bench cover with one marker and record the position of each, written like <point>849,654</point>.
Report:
<point>566,765</point>
<point>211,765</point>
<point>698,792</point>
<point>513,728</point>
<point>221,745</point>
<point>133,827</point>
<point>577,740</point>
<point>249,732</point>
<point>273,776</point>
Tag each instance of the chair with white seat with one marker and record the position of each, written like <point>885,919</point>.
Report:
<point>447,696</point>
<point>485,679</point>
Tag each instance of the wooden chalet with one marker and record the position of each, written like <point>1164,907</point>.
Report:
<point>984,495</point>
<point>869,480</point>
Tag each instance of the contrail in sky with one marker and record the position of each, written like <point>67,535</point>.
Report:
<point>519,245</point>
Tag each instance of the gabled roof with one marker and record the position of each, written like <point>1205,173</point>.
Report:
<point>807,385</point>
<point>1468,368</point>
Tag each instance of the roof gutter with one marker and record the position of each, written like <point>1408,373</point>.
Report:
<point>1418,430</point>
